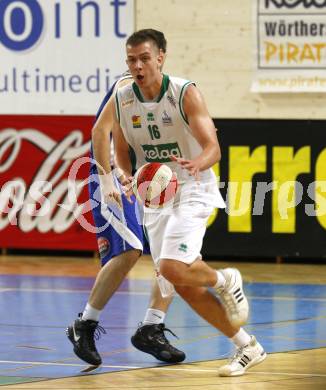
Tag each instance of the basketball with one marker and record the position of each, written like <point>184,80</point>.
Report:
<point>155,184</point>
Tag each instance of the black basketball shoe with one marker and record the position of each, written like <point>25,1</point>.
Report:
<point>82,334</point>
<point>151,339</point>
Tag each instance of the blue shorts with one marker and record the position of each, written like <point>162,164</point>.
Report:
<point>118,230</point>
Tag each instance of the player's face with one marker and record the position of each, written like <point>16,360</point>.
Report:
<point>144,62</point>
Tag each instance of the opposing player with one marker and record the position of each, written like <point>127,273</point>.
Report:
<point>158,116</point>
<point>121,242</point>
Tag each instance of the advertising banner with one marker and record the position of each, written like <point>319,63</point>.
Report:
<point>290,46</point>
<point>60,56</point>
<point>273,177</point>
<point>43,202</point>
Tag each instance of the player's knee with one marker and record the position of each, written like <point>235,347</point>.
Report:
<point>191,294</point>
<point>132,256</point>
<point>172,271</point>
<point>124,261</point>
<point>184,291</point>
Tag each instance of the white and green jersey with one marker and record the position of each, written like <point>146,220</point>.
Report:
<point>158,129</point>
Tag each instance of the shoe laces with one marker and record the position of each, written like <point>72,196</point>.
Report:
<point>164,329</point>
<point>239,355</point>
<point>93,334</point>
<point>159,333</point>
<point>97,332</point>
<point>230,300</point>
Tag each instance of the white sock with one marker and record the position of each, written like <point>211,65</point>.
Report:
<point>90,313</point>
<point>241,338</point>
<point>220,280</point>
<point>153,316</point>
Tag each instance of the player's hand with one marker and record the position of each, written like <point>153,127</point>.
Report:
<point>126,183</point>
<point>191,165</point>
<point>109,191</point>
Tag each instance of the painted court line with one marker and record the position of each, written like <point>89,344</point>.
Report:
<point>274,298</point>
<point>61,364</point>
<point>159,368</point>
<point>64,291</point>
<point>252,372</point>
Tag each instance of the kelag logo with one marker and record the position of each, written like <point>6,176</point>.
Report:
<point>21,23</point>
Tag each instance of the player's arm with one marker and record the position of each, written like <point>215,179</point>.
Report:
<point>121,150</point>
<point>122,158</point>
<point>102,152</point>
<point>101,134</point>
<point>101,138</point>
<point>203,130</point>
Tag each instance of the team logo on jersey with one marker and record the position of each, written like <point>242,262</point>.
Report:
<point>166,119</point>
<point>150,117</point>
<point>103,246</point>
<point>136,121</point>
<point>162,152</point>
<point>172,100</point>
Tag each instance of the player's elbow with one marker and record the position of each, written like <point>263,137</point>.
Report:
<point>217,154</point>
<point>95,131</point>
<point>97,135</point>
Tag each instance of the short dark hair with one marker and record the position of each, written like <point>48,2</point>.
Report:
<point>148,34</point>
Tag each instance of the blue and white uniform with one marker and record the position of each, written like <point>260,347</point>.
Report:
<point>118,230</point>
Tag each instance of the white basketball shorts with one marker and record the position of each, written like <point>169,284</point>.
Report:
<point>179,234</point>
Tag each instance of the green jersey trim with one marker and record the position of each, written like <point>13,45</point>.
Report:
<point>183,90</point>
<point>164,88</point>
<point>117,109</point>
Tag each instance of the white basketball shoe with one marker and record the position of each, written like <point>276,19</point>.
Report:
<point>244,358</point>
<point>233,298</point>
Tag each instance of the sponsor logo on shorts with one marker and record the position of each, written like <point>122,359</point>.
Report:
<point>136,121</point>
<point>183,248</point>
<point>162,152</point>
<point>103,246</point>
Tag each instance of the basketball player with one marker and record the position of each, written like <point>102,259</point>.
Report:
<point>159,115</point>
<point>120,245</point>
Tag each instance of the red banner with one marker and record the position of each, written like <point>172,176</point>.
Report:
<point>43,202</point>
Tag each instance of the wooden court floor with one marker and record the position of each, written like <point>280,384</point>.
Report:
<point>292,369</point>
